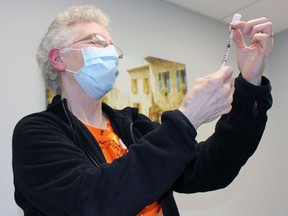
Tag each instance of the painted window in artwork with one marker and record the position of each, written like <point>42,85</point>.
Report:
<point>146,85</point>
<point>178,85</point>
<point>181,80</point>
<point>164,82</point>
<point>134,86</point>
<point>160,82</point>
<point>167,81</point>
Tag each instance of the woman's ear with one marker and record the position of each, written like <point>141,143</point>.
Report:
<point>56,60</point>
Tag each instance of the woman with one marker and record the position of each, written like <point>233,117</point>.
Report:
<point>81,157</point>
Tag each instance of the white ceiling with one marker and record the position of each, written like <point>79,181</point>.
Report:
<point>223,10</point>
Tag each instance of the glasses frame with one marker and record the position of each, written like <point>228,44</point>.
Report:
<point>100,42</point>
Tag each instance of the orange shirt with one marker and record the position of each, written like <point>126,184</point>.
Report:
<point>112,148</point>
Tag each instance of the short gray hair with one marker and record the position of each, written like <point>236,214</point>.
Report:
<point>59,35</point>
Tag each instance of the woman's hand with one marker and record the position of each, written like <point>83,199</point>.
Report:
<point>252,59</point>
<point>209,97</point>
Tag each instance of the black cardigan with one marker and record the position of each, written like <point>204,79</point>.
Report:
<point>59,168</point>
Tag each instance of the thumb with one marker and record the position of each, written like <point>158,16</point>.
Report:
<point>225,73</point>
<point>238,39</point>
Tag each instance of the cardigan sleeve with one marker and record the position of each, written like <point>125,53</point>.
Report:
<point>236,137</point>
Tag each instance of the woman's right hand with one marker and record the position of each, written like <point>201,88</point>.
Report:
<point>209,97</point>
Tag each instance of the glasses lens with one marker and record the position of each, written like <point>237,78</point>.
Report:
<point>99,41</point>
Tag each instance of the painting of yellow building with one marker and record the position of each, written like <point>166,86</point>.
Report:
<point>158,86</point>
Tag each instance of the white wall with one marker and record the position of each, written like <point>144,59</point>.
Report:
<point>143,28</point>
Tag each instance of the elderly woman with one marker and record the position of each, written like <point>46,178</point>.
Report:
<point>81,157</point>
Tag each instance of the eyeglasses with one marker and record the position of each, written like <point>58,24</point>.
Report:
<point>99,41</point>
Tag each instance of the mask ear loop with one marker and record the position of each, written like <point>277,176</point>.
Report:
<point>68,49</point>
<point>70,71</point>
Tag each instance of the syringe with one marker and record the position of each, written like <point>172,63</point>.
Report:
<point>236,17</point>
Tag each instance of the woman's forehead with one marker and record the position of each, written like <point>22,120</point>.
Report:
<point>91,28</point>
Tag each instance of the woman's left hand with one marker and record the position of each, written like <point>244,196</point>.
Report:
<point>252,59</point>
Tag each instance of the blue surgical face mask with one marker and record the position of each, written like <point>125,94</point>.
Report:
<point>97,76</point>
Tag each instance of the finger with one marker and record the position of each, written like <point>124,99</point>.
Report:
<point>238,24</point>
<point>252,23</point>
<point>262,28</point>
<point>225,73</point>
<point>229,86</point>
<point>256,25</point>
<point>262,37</point>
<point>229,80</point>
<point>266,41</point>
